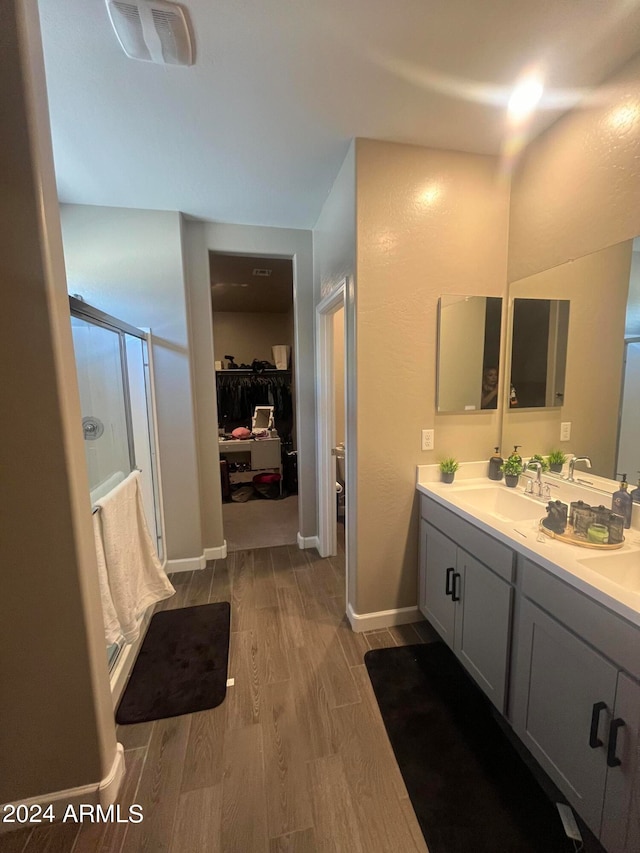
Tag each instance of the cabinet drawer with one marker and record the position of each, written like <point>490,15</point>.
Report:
<point>612,635</point>
<point>480,545</point>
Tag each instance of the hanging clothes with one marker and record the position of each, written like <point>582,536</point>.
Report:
<point>240,392</point>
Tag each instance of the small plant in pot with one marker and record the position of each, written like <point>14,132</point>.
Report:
<point>556,460</point>
<point>543,462</point>
<point>448,468</point>
<point>512,468</point>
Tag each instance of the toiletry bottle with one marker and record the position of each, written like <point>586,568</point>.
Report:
<point>635,494</point>
<point>495,465</point>
<point>515,455</point>
<point>621,502</point>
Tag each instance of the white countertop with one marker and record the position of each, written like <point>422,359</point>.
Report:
<point>559,558</point>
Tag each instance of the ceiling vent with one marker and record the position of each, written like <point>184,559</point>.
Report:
<point>153,31</point>
<point>262,273</point>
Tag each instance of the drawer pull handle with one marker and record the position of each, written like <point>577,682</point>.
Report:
<point>455,591</point>
<point>612,758</point>
<point>594,740</point>
<point>448,588</point>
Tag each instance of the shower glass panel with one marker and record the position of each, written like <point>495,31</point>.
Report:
<point>115,385</point>
<point>102,399</point>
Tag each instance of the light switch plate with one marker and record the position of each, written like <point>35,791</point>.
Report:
<point>565,431</point>
<point>427,439</point>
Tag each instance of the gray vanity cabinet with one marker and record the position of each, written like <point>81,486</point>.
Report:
<point>564,693</point>
<point>575,708</point>
<point>469,606</point>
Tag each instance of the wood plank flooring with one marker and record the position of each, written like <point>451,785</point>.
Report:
<point>296,759</point>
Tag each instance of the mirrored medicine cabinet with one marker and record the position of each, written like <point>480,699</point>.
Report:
<point>468,352</point>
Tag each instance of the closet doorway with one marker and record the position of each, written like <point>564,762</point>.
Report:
<point>253,340</point>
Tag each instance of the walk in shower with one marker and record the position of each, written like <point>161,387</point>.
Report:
<point>116,400</point>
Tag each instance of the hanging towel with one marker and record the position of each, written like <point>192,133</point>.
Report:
<point>136,578</point>
<point>112,631</point>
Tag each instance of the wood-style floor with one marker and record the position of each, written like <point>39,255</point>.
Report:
<point>296,759</point>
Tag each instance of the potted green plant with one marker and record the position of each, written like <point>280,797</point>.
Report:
<point>543,462</point>
<point>556,460</point>
<point>448,468</point>
<point>512,468</point>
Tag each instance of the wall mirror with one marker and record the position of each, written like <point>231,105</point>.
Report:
<point>603,290</point>
<point>468,361</point>
<point>539,330</point>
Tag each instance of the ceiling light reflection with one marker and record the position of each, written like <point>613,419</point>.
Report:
<point>525,97</point>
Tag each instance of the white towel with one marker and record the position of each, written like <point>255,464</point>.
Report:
<point>112,631</point>
<point>136,578</point>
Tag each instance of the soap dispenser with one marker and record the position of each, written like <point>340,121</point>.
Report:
<point>635,494</point>
<point>515,455</point>
<point>621,502</point>
<point>495,465</point>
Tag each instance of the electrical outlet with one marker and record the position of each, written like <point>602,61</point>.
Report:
<point>427,439</point>
<point>565,431</point>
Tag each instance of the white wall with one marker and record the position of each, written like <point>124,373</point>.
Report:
<point>334,259</point>
<point>129,263</point>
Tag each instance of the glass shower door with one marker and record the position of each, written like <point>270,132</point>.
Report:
<point>101,380</point>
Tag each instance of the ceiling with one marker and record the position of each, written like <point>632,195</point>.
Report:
<point>255,132</point>
<point>234,287</point>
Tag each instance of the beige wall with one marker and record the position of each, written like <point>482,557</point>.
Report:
<point>577,188</point>
<point>57,727</point>
<point>596,286</point>
<point>247,336</point>
<point>574,193</point>
<point>632,326</point>
<point>129,263</point>
<point>428,223</point>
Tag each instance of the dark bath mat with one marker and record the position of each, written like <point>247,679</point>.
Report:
<point>182,665</point>
<point>469,788</point>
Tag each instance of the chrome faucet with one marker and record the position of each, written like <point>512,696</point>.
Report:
<point>537,466</point>
<point>572,463</point>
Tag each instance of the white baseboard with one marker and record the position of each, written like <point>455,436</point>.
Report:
<point>218,553</point>
<point>383,618</point>
<point>307,542</point>
<point>102,793</point>
<point>191,564</point>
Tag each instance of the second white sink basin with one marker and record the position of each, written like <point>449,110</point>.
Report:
<point>502,503</point>
<point>623,569</point>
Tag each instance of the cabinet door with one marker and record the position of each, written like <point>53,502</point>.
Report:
<point>483,622</point>
<point>563,704</point>
<point>621,817</point>
<point>437,565</point>
<point>265,454</point>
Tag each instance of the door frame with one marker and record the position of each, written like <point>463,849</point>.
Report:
<point>325,418</point>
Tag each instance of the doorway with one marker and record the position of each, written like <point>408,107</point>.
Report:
<point>253,337</point>
<point>330,420</point>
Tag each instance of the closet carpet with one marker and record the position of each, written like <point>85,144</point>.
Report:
<point>260,523</point>
<point>295,759</point>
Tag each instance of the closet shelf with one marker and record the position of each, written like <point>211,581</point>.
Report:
<point>248,372</point>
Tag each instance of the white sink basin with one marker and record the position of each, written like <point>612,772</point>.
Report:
<point>501,503</point>
<point>622,569</point>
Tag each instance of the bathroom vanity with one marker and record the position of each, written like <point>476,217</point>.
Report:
<point>549,631</point>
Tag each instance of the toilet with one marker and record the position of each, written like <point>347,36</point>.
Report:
<point>341,479</point>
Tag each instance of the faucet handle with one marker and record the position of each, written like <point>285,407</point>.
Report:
<point>546,490</point>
